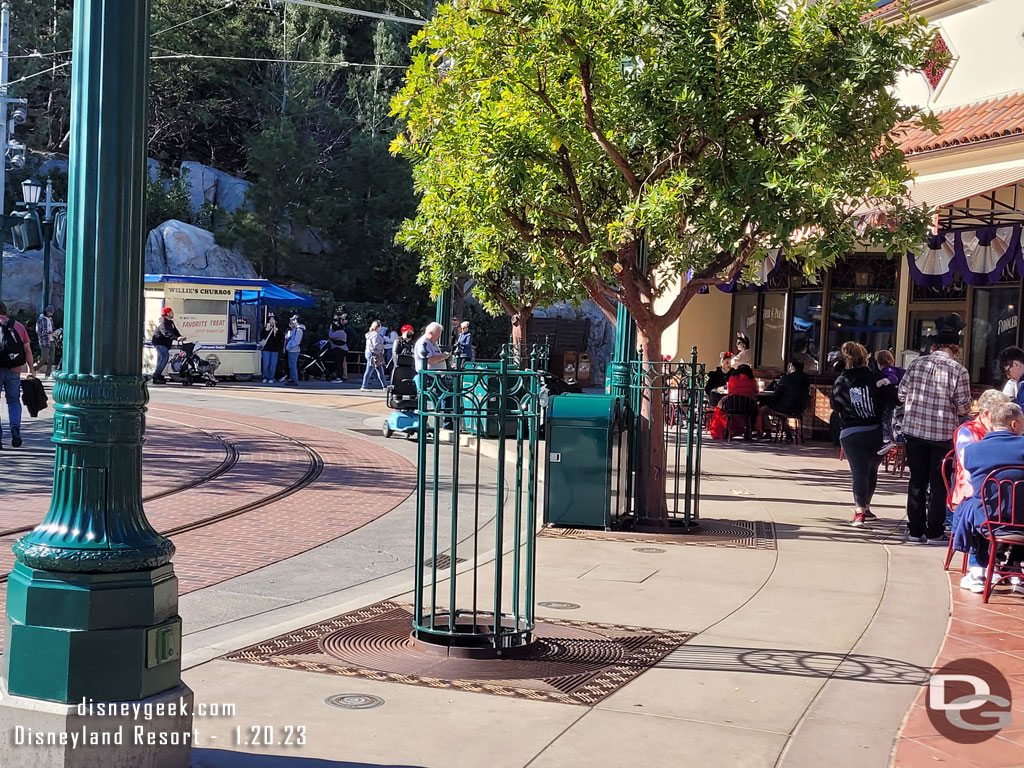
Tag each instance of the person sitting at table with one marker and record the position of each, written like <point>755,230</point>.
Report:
<point>788,398</point>
<point>718,377</point>
<point>1002,446</point>
<point>742,382</point>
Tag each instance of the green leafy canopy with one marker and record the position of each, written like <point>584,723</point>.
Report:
<point>549,136</point>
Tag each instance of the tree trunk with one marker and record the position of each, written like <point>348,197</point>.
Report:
<point>652,505</point>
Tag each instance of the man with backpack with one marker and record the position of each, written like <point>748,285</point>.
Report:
<point>15,351</point>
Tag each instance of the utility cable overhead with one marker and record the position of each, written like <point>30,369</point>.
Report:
<point>354,11</point>
<point>172,55</point>
<point>230,4</point>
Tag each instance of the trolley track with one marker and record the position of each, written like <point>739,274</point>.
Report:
<point>231,457</point>
<point>314,469</point>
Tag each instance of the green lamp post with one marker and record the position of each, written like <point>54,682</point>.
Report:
<point>92,602</point>
<point>620,368</point>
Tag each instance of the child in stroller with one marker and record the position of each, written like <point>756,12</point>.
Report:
<point>190,367</point>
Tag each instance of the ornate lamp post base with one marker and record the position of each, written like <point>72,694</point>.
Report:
<point>105,636</point>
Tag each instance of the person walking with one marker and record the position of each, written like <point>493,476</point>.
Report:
<point>374,354</point>
<point>935,392</point>
<point>164,336</point>
<point>15,352</point>
<point>338,339</point>
<point>272,345</point>
<point>292,346</point>
<point>860,396</point>
<point>44,332</point>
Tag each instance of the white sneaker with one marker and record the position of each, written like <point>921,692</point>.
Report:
<point>363,389</point>
<point>974,583</point>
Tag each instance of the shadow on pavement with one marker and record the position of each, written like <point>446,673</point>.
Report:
<point>222,758</point>
<point>774,661</point>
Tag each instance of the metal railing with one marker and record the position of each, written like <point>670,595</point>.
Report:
<point>466,507</point>
<point>667,407</point>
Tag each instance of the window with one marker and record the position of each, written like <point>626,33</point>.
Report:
<point>867,318</point>
<point>925,323</point>
<point>204,307</point>
<point>744,318</point>
<point>806,332</point>
<point>994,324</point>
<point>773,331</point>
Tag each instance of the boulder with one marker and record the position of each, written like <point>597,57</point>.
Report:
<point>208,185</point>
<point>177,248</point>
<point>23,279</point>
<point>601,339</point>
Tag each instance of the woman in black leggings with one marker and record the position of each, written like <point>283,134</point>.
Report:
<point>860,396</point>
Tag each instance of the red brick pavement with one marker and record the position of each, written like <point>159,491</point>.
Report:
<point>992,633</point>
<point>360,482</point>
<point>174,454</point>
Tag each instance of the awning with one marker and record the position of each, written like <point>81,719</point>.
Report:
<point>276,296</point>
<point>938,189</point>
<point>250,290</point>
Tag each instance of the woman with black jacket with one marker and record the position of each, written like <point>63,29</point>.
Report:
<point>860,396</point>
<point>271,344</point>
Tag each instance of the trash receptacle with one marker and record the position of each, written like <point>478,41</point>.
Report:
<point>585,483</point>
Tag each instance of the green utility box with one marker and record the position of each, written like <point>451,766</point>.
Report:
<point>587,461</point>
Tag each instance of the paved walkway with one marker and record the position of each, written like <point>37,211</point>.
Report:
<point>812,652</point>
<point>805,654</point>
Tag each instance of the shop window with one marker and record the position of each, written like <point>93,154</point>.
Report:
<point>868,318</point>
<point>994,324</point>
<point>925,324</point>
<point>806,331</point>
<point>773,331</point>
<point>744,318</point>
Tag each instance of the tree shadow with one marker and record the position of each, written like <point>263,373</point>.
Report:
<point>796,663</point>
<point>222,758</point>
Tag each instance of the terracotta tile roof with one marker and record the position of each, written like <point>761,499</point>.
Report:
<point>969,124</point>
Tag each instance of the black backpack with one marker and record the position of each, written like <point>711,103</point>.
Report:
<point>12,349</point>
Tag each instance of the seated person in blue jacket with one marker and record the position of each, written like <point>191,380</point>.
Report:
<point>1003,446</point>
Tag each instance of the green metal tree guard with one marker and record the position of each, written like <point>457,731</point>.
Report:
<point>488,610</point>
<point>92,603</point>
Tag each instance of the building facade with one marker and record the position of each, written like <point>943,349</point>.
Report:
<point>968,275</point>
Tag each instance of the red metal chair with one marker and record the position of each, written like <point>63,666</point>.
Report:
<point>949,467</point>
<point>1002,496</point>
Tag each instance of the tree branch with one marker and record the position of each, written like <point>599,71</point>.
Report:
<point>602,140</point>
<point>530,233</point>
<point>574,190</point>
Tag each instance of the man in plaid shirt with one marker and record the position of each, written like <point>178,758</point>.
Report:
<point>935,393</point>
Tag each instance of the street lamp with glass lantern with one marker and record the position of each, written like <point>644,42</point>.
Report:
<point>31,194</point>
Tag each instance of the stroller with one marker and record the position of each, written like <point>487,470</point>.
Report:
<point>317,365</point>
<point>403,397</point>
<point>190,367</point>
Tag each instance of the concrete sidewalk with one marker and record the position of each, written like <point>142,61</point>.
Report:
<point>804,653</point>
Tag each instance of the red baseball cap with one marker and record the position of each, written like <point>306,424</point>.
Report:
<point>407,328</point>
<point>165,311</point>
